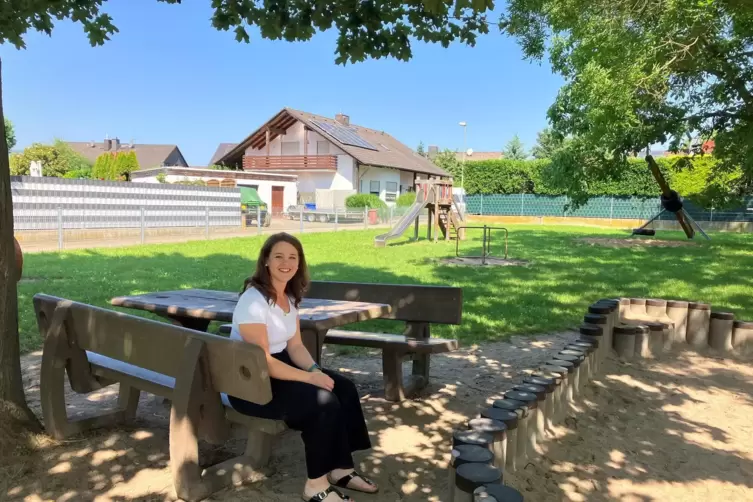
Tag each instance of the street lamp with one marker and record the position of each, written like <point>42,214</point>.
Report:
<point>465,147</point>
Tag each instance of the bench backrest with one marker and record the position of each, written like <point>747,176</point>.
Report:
<point>235,368</point>
<point>409,302</point>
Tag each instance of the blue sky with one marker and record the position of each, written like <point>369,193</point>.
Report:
<point>169,77</point>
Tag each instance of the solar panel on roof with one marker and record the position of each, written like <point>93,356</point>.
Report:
<point>343,134</point>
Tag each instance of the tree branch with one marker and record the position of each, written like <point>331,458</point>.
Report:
<point>721,114</point>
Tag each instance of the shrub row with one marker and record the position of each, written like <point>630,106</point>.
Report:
<point>504,176</point>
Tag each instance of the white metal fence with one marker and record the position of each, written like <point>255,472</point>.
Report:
<point>59,203</point>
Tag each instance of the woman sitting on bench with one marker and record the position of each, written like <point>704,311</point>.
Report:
<point>320,403</point>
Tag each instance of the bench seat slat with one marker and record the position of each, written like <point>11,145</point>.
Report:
<point>390,341</point>
<point>143,379</point>
<point>163,385</point>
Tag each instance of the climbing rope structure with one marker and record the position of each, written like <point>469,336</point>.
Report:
<point>670,202</point>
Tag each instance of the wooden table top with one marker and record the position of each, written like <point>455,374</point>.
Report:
<point>219,305</point>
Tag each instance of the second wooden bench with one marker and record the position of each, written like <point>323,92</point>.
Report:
<point>418,306</point>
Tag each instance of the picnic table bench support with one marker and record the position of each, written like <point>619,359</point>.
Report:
<point>59,355</point>
<point>396,386</point>
<point>194,405</point>
<point>97,348</point>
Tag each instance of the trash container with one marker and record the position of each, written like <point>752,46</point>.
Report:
<point>372,216</point>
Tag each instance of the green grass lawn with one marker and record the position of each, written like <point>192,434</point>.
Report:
<point>563,278</point>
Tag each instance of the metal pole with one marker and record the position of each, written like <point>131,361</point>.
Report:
<point>258,219</point>
<point>142,225</point>
<point>481,209</point>
<point>711,215</point>
<point>365,215</point>
<point>521,204</point>
<point>60,228</point>
<point>336,210</point>
<point>206,222</point>
<point>611,210</point>
<point>301,219</point>
<point>465,149</point>
<point>483,248</point>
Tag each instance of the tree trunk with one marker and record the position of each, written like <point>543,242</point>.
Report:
<point>13,407</point>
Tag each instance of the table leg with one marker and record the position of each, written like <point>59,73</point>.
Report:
<point>313,340</point>
<point>190,322</point>
<point>419,331</point>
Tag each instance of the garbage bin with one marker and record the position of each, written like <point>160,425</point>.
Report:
<point>372,216</point>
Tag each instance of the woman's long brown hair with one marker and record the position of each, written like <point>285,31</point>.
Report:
<point>262,281</point>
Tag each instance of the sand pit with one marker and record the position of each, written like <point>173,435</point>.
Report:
<point>634,243</point>
<point>675,429</point>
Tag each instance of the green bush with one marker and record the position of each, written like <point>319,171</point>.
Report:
<point>365,200</point>
<point>57,160</point>
<point>406,200</point>
<point>79,174</point>
<point>115,166</point>
<point>692,177</point>
<point>102,169</point>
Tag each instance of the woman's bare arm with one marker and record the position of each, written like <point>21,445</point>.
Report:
<point>257,334</point>
<point>298,352</point>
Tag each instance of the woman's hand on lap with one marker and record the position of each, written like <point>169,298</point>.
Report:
<point>321,380</point>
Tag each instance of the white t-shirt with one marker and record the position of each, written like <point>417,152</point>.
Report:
<point>253,308</point>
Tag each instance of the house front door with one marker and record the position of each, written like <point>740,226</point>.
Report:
<point>277,200</point>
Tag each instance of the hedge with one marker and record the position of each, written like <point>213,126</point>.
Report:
<point>406,199</point>
<point>506,176</point>
<point>362,200</point>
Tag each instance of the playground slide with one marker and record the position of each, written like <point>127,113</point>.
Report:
<point>401,226</point>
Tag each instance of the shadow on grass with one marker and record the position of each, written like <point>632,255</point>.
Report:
<point>564,275</point>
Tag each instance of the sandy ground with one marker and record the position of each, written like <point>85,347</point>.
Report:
<point>677,428</point>
<point>634,243</point>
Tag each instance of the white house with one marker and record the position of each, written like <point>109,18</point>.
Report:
<point>278,190</point>
<point>329,153</point>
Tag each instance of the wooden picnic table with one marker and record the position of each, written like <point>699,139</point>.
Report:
<point>196,308</point>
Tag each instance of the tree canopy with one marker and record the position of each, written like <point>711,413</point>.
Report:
<point>546,144</point>
<point>514,149</point>
<point>365,29</point>
<point>57,160</point>
<point>643,73</point>
<point>10,134</point>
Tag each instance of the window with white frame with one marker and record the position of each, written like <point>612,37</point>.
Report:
<point>374,187</point>
<point>290,148</point>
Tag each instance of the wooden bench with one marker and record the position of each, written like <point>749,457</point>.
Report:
<point>416,305</point>
<point>195,370</point>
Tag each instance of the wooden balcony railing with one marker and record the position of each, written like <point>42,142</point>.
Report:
<point>290,162</point>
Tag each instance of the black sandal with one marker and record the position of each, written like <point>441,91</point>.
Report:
<point>345,480</point>
<point>319,497</point>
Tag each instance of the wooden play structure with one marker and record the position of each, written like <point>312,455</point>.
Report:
<point>436,196</point>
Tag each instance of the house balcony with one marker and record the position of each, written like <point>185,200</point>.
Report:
<point>290,163</point>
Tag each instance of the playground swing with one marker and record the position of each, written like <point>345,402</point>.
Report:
<point>670,202</point>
